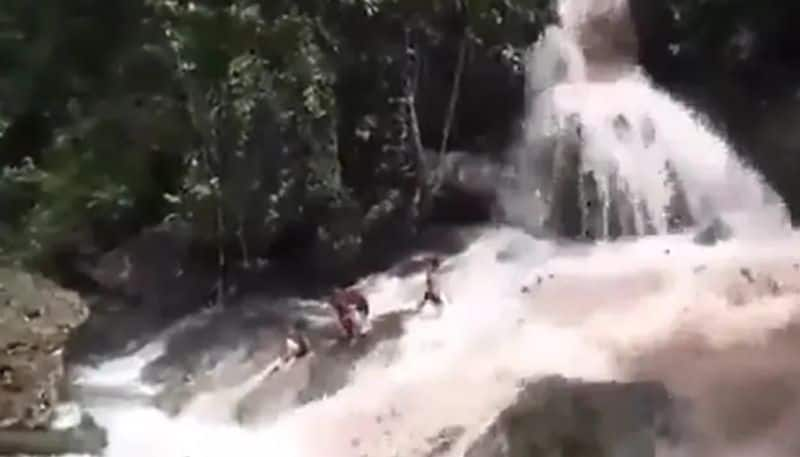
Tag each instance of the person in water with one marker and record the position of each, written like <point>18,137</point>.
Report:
<point>432,291</point>
<point>352,311</point>
<point>297,343</point>
<point>297,346</point>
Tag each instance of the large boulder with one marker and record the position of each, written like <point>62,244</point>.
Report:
<point>36,318</point>
<point>140,287</point>
<point>471,184</point>
<point>557,416</point>
<point>716,231</point>
<point>85,437</point>
<point>157,269</point>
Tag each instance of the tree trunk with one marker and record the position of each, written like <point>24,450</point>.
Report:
<point>423,196</point>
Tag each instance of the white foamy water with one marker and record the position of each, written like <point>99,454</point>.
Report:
<point>593,311</point>
<point>602,308</point>
<point>704,164</point>
<point>636,159</point>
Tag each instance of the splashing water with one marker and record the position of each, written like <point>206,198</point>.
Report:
<point>588,320</point>
<point>593,311</point>
<point>606,154</point>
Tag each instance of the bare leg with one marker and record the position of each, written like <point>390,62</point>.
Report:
<point>366,325</point>
<point>346,325</point>
<point>425,299</point>
<point>439,303</point>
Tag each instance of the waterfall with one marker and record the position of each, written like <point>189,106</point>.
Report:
<point>604,154</point>
<point>607,154</point>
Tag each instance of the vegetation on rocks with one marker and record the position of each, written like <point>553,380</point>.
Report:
<point>306,128</point>
<point>229,131</point>
<point>149,142</point>
<point>267,126</point>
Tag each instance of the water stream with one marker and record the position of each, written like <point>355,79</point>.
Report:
<point>605,155</point>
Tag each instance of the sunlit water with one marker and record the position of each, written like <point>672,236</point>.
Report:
<point>592,311</point>
<point>637,160</point>
<point>603,307</point>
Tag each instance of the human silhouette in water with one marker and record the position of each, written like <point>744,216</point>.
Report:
<point>352,309</point>
<point>297,343</point>
<point>432,291</point>
<point>296,347</point>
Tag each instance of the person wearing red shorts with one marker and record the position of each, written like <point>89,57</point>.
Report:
<point>346,303</point>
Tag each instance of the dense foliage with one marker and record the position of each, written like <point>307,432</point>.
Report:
<point>272,126</point>
<point>704,41</point>
<point>254,121</point>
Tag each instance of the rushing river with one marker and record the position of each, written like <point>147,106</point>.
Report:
<point>627,161</point>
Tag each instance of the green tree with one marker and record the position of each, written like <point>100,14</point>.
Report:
<point>245,118</point>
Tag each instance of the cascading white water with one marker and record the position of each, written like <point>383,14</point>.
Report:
<point>462,368</point>
<point>598,309</point>
<point>625,155</point>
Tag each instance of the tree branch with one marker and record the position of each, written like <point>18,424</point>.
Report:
<point>422,196</point>
<point>454,91</point>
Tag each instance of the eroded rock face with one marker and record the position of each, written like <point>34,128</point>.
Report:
<point>36,318</point>
<point>557,416</point>
<point>156,269</point>
<point>713,233</point>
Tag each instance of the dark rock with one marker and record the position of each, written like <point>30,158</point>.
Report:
<point>622,127</point>
<point>471,184</point>
<point>85,438</point>
<point>443,441</point>
<point>557,416</point>
<point>142,286</point>
<point>715,232</point>
<point>158,270</point>
<point>747,274</point>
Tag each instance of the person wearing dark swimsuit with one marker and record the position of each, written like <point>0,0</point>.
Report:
<point>432,293</point>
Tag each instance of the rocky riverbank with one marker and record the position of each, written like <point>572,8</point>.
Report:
<point>36,320</point>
